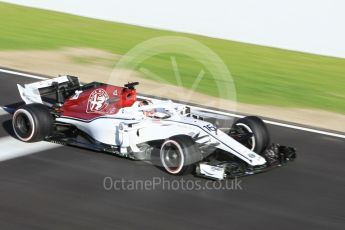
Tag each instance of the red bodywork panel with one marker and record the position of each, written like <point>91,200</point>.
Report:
<point>98,101</point>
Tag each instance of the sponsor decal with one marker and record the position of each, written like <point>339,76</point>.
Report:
<point>210,128</point>
<point>76,94</point>
<point>98,101</point>
<point>251,155</point>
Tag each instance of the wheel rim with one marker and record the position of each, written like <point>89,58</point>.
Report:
<point>250,143</point>
<point>23,125</point>
<point>172,157</point>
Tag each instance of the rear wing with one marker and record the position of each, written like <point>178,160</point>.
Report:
<point>57,87</point>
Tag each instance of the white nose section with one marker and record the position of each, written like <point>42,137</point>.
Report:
<point>256,159</point>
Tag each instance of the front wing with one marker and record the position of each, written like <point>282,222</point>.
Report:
<point>275,156</point>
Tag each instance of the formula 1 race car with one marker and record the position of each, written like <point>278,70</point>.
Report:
<point>113,119</point>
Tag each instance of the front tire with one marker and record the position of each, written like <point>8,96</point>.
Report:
<point>260,138</point>
<point>178,155</point>
<point>32,122</point>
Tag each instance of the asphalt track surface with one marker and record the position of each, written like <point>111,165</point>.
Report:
<point>62,188</point>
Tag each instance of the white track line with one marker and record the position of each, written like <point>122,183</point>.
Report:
<point>269,122</point>
<point>3,111</point>
<point>209,110</point>
<point>13,148</point>
<point>278,123</point>
<point>22,74</point>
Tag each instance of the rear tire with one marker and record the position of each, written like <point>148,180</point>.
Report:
<point>178,155</point>
<point>32,122</point>
<point>260,139</point>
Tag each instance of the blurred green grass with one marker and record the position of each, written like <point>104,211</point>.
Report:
<point>263,75</point>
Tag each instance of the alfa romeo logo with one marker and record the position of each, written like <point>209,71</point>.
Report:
<point>97,101</point>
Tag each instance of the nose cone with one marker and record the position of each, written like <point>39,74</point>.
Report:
<point>259,160</point>
<point>256,159</point>
<point>262,160</point>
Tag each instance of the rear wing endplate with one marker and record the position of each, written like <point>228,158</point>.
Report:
<point>32,93</point>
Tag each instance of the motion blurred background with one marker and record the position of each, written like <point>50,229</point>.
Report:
<point>286,58</point>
